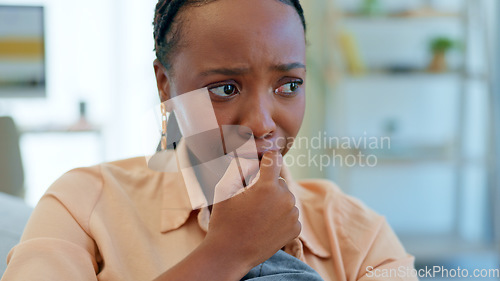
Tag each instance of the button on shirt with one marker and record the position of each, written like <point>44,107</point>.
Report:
<point>123,221</point>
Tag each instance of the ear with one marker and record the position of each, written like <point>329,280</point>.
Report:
<point>162,80</point>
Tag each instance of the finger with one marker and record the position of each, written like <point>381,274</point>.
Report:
<point>270,165</point>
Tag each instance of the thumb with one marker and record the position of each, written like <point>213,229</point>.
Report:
<point>270,165</point>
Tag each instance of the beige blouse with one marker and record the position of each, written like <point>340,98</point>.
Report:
<point>123,221</point>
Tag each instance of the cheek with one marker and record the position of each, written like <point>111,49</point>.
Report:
<point>287,116</point>
<point>226,115</point>
<point>292,116</point>
<point>290,121</point>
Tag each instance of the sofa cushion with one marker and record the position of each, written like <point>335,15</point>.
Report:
<point>14,214</point>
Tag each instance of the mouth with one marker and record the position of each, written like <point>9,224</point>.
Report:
<point>256,152</point>
<point>253,156</point>
<point>249,156</point>
<point>261,153</point>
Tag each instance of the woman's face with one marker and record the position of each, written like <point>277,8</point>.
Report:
<point>251,57</point>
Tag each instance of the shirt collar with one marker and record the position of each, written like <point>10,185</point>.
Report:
<point>177,207</point>
<point>178,200</point>
<point>307,235</point>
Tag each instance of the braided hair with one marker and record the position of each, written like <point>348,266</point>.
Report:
<point>167,32</point>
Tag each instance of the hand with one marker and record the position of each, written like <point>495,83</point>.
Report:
<point>253,225</point>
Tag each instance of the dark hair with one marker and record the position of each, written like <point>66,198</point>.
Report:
<point>167,33</point>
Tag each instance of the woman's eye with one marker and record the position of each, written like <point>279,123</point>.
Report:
<point>289,88</point>
<point>224,90</point>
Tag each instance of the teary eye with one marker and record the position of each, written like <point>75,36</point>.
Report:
<point>224,90</point>
<point>289,88</point>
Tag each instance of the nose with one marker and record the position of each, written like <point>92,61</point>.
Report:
<point>257,115</point>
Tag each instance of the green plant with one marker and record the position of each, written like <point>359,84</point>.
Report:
<point>442,44</point>
<point>371,7</point>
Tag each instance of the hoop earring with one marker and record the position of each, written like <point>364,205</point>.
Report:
<point>163,127</point>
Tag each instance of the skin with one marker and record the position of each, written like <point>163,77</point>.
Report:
<point>258,48</point>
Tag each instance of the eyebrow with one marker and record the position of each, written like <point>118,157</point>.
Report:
<point>226,71</point>
<point>241,71</point>
<point>287,67</point>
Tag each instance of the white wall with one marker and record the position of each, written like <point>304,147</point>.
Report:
<point>98,51</point>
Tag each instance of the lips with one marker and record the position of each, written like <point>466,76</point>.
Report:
<point>257,152</point>
<point>266,145</point>
<point>250,156</point>
<point>260,153</point>
<point>253,155</point>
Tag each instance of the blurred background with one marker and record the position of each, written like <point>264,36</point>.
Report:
<point>75,77</point>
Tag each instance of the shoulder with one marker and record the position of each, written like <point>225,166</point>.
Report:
<point>77,185</point>
<point>341,227</point>
<point>80,189</point>
<point>93,179</point>
<point>325,193</point>
<point>344,216</point>
<point>125,170</point>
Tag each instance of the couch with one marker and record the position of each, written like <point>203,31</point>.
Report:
<point>14,214</point>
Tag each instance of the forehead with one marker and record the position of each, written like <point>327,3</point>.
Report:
<point>241,32</point>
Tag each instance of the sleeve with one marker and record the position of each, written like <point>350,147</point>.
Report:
<point>57,243</point>
<point>386,258</point>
